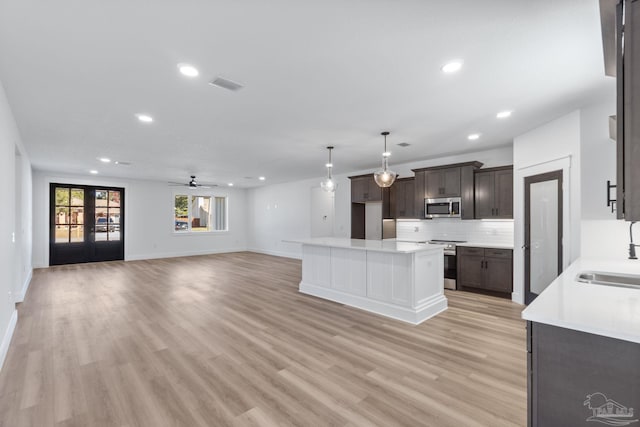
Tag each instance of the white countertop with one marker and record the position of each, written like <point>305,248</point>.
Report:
<point>597,309</point>
<point>387,245</point>
<point>487,245</point>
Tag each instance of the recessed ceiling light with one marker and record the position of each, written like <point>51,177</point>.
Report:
<point>230,184</point>
<point>452,67</point>
<point>262,178</point>
<point>93,172</point>
<point>188,70</point>
<point>473,136</point>
<point>403,144</point>
<point>504,114</point>
<point>144,118</point>
<point>104,159</point>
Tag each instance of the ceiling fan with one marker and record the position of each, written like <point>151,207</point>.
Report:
<point>192,184</point>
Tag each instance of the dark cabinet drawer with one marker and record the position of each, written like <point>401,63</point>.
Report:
<point>467,250</point>
<point>498,253</point>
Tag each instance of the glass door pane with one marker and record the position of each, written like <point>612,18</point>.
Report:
<point>544,234</point>
<point>69,215</point>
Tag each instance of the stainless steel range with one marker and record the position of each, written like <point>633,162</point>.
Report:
<point>450,262</point>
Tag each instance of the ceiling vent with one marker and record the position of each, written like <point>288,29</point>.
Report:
<point>226,84</point>
<point>404,144</point>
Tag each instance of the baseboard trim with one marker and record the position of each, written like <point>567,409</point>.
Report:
<point>140,257</point>
<point>4,346</point>
<point>426,310</point>
<point>276,253</point>
<point>25,287</point>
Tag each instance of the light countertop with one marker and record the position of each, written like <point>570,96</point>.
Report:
<point>487,245</point>
<point>387,245</point>
<point>596,309</point>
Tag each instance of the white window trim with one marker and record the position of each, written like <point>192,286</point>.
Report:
<point>189,232</point>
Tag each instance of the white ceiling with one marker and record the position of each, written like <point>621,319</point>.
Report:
<point>316,73</point>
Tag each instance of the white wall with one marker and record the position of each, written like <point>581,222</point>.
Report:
<point>149,219</point>
<point>602,235</point>
<point>15,265</point>
<point>23,224</point>
<point>282,211</point>
<point>582,139</point>
<point>555,145</point>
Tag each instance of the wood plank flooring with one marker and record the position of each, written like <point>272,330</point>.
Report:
<point>226,340</point>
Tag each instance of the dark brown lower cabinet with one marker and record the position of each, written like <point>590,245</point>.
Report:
<point>579,379</point>
<point>485,268</point>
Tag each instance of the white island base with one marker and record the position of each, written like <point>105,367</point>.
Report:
<point>400,280</point>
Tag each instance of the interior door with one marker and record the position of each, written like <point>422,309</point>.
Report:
<point>86,224</point>
<point>543,232</point>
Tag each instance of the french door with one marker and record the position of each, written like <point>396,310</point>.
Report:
<point>86,224</point>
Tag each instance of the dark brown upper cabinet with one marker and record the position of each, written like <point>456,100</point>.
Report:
<point>419,193</point>
<point>364,189</point>
<point>442,183</point>
<point>494,193</point>
<point>628,104</point>
<point>446,181</point>
<point>403,198</point>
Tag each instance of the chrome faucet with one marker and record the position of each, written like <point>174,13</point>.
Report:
<point>632,246</point>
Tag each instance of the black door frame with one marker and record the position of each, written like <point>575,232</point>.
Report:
<point>547,176</point>
<point>89,250</point>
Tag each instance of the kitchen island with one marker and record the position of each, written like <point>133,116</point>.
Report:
<point>401,280</point>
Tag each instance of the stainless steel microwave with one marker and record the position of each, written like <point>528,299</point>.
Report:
<point>442,208</point>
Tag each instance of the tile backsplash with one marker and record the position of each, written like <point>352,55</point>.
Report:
<point>476,231</point>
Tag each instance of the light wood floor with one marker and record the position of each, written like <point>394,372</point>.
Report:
<point>226,340</point>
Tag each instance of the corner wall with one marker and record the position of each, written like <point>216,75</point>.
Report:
<point>15,227</point>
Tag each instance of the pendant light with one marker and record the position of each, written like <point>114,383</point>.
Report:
<point>328,184</point>
<point>385,177</point>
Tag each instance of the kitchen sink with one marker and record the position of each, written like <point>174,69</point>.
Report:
<point>609,279</point>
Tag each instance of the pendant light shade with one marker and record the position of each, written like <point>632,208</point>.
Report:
<point>328,184</point>
<point>385,177</point>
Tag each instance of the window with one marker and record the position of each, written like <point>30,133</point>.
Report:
<point>199,213</point>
